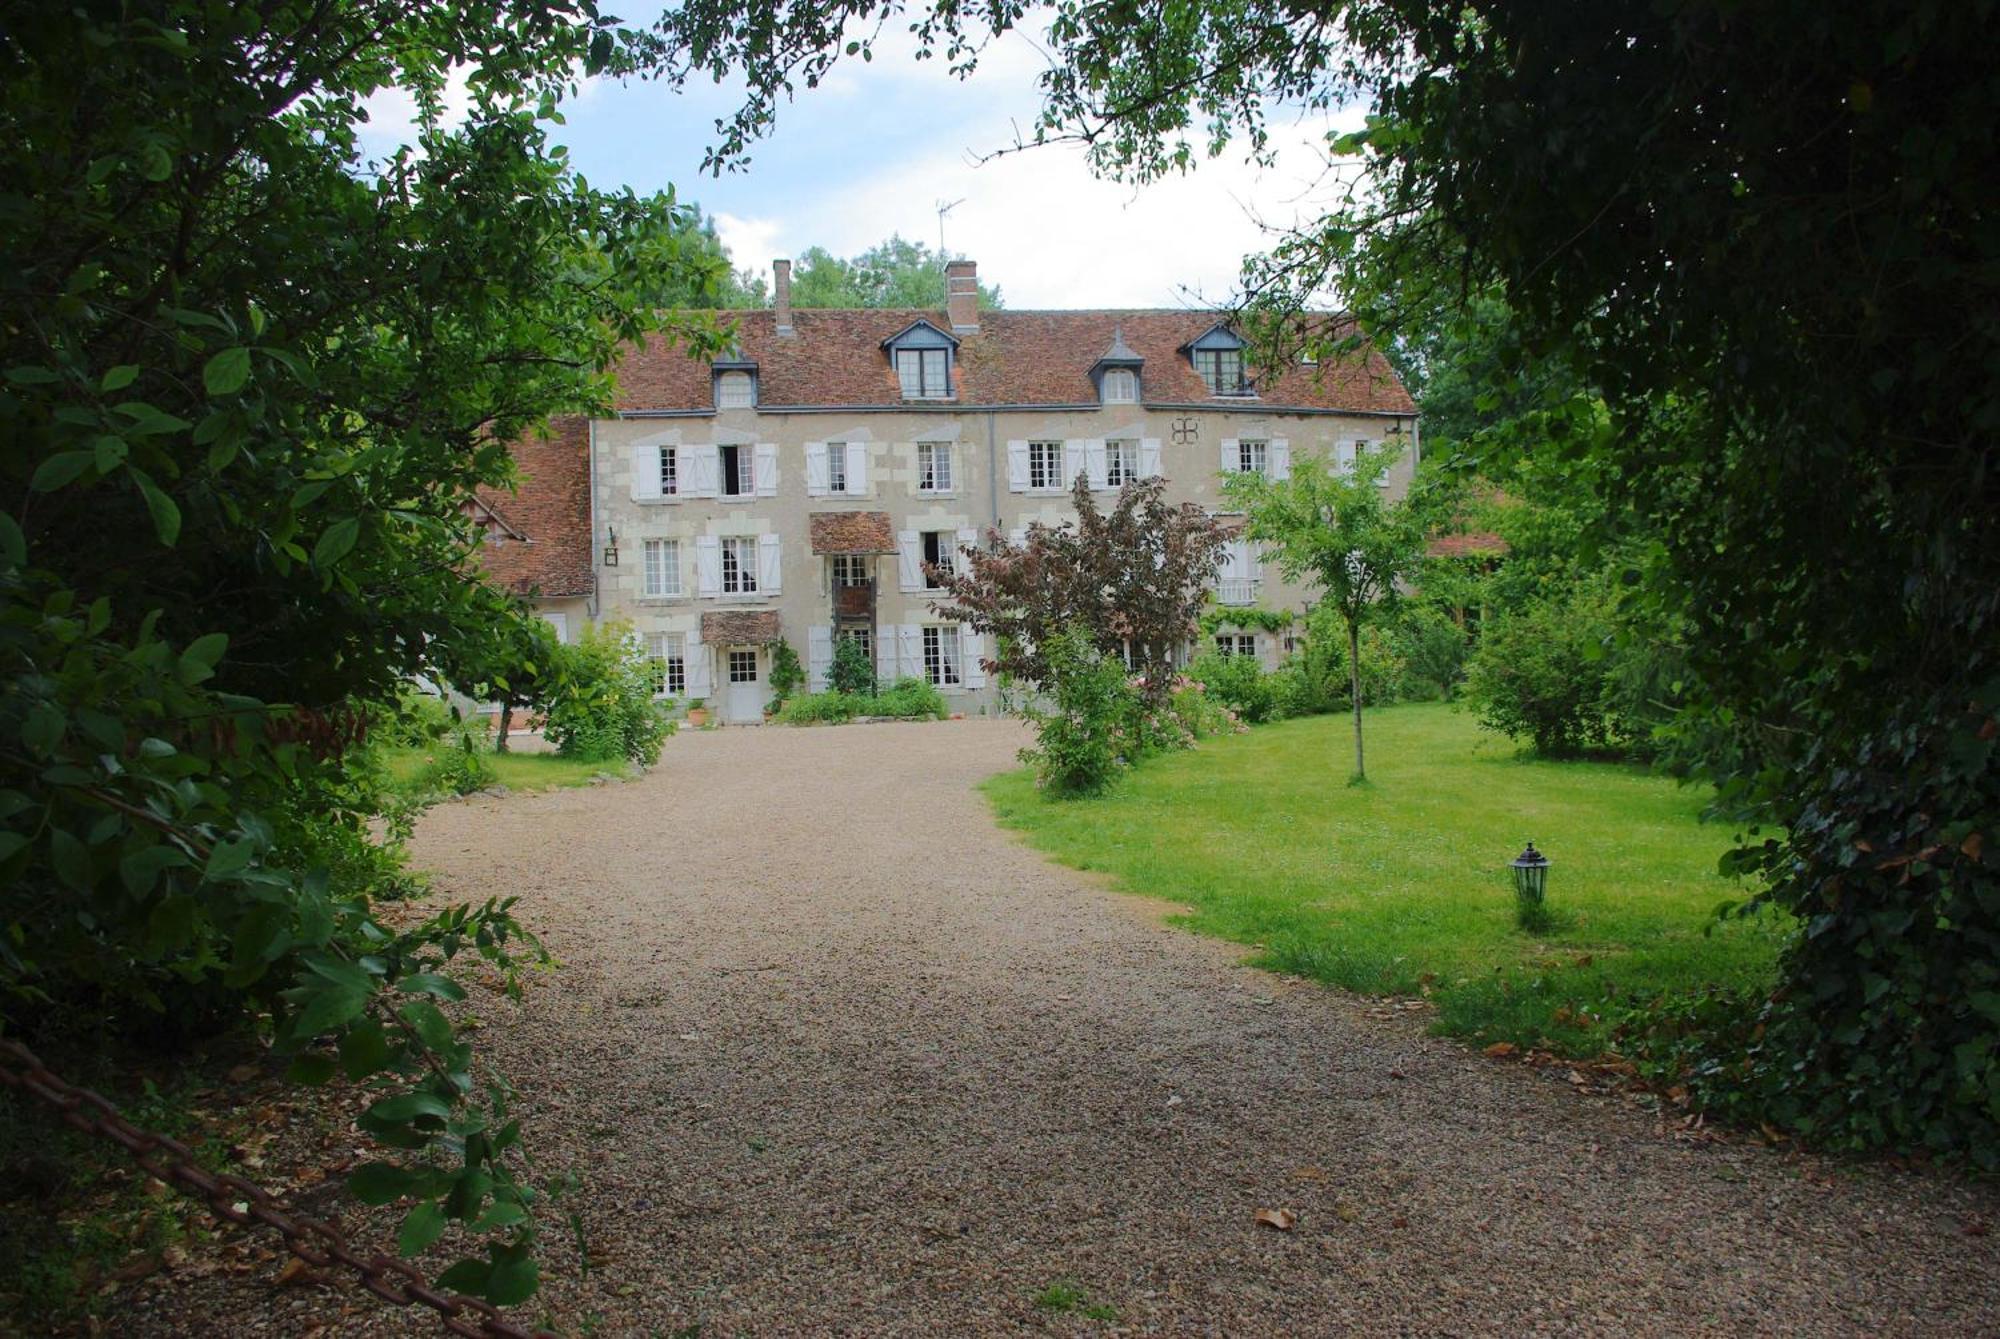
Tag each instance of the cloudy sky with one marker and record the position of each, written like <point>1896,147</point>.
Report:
<point>880,145</point>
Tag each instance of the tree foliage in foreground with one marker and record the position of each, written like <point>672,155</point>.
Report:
<point>248,383</point>
<point>1764,236</point>
<point>1138,575</point>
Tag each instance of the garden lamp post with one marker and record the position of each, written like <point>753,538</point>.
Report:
<point>1531,879</point>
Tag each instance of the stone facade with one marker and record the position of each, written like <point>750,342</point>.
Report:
<point>825,478</point>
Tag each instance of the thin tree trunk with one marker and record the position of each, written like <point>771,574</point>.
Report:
<point>506,721</point>
<point>1354,686</point>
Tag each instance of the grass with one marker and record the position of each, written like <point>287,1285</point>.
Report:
<point>1400,886</point>
<point>516,771</point>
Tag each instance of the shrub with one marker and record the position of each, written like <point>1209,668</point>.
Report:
<point>1433,648</point>
<point>1541,673</point>
<point>910,699</point>
<point>416,720</point>
<point>602,709</point>
<point>1082,742</point>
<point>460,767</point>
<point>1200,715</point>
<point>821,708</point>
<point>852,671</point>
<point>1238,682</point>
<point>786,675</point>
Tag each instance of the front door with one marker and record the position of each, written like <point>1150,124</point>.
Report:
<point>744,690</point>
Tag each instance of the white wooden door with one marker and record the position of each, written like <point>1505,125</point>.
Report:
<point>745,688</point>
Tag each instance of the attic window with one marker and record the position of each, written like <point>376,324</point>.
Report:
<point>922,356</point>
<point>735,390</point>
<point>1218,360</point>
<point>1121,386</point>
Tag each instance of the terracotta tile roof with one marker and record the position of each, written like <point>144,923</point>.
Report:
<point>1485,543</point>
<point>1015,358</point>
<point>739,627</point>
<point>550,510</point>
<point>852,532</point>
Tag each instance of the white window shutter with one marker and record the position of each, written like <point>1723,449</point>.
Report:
<point>1343,457</point>
<point>910,651</point>
<point>767,469</point>
<point>770,564</point>
<point>971,647</point>
<point>1279,457</point>
<point>885,653</point>
<point>909,560</point>
<point>819,657</point>
<point>1017,467</point>
<point>1149,458</point>
<point>818,479</point>
<point>967,539</point>
<point>701,681</point>
<point>704,470</point>
<point>857,469</point>
<point>1100,472</point>
<point>1018,538</point>
<point>1075,461</point>
<point>645,473</point>
<point>707,566</point>
<point>1232,459</point>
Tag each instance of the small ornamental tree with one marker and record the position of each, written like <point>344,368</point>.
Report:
<point>1138,575</point>
<point>1335,530</point>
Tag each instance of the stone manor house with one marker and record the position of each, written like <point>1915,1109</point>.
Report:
<point>795,489</point>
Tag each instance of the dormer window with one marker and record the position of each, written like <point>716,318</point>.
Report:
<point>925,373</point>
<point>1121,386</point>
<point>735,390</point>
<point>922,357</point>
<point>1218,360</point>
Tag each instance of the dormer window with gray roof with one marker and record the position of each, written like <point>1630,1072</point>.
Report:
<point>1117,372</point>
<point>922,357</point>
<point>735,382</point>
<point>1218,359</point>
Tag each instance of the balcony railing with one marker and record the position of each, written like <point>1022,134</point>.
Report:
<point>1237,590</point>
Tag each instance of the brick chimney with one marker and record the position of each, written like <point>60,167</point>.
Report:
<point>781,294</point>
<point>961,296</point>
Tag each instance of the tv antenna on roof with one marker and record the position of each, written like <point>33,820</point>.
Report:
<point>943,209</point>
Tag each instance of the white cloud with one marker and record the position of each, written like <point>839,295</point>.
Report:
<point>392,114</point>
<point>753,242</point>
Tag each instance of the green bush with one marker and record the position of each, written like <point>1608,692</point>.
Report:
<point>1239,683</point>
<point>1082,739</point>
<point>460,767</point>
<point>1542,674</point>
<point>602,709</point>
<point>821,708</point>
<point>852,671</point>
<point>1433,648</point>
<point>417,721</point>
<point>911,699</point>
<point>786,675</point>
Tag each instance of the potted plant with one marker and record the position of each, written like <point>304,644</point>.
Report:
<point>697,711</point>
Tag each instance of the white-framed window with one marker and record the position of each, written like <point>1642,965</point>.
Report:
<point>940,555</point>
<point>1128,654</point>
<point>1121,463</point>
<point>925,373</point>
<point>739,471</point>
<point>836,467</point>
<point>735,390</point>
<point>663,567</point>
<point>1121,386</point>
<point>1045,465</point>
<point>1252,456</point>
<point>941,656</point>
<point>739,565</point>
<point>1222,371</point>
<point>670,472</point>
<point>1237,644</point>
<point>847,569</point>
<point>933,467</point>
<point>667,654</point>
<point>742,666</point>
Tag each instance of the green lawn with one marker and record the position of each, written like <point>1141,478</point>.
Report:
<point>1400,886</point>
<point>516,771</point>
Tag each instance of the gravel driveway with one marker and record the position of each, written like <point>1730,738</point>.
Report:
<point>831,1053</point>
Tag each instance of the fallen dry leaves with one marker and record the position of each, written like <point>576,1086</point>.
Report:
<point>1282,1219</point>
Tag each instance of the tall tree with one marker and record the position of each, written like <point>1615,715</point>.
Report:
<point>251,383</point>
<point>1764,234</point>
<point>895,273</point>
<point>1334,529</point>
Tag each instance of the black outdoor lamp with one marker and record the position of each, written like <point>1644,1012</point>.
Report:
<point>610,546</point>
<point>1531,880</point>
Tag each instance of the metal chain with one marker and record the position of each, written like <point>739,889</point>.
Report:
<point>318,1244</point>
